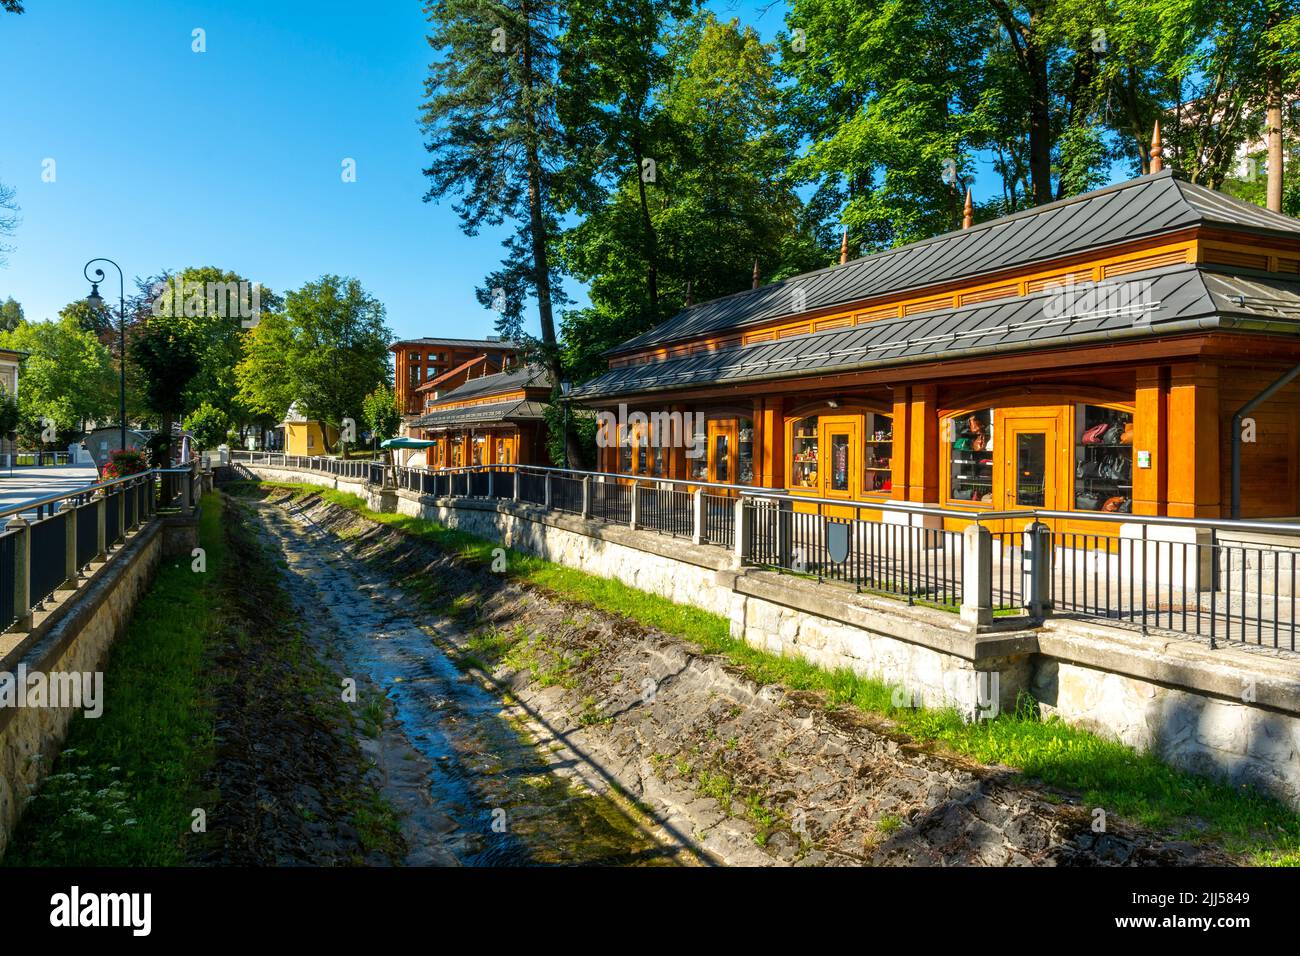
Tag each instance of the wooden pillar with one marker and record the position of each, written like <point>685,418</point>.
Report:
<point>678,467</point>
<point>1151,435</point>
<point>772,434</point>
<point>923,444</point>
<point>898,465</point>
<point>1193,440</point>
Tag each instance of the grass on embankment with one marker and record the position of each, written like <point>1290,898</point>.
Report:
<point>1104,773</point>
<point>122,789</point>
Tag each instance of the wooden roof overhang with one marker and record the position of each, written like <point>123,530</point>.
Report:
<point>1194,313</point>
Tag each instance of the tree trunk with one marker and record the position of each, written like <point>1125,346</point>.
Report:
<point>1274,122</point>
<point>537,228</point>
<point>1040,123</point>
<point>651,240</point>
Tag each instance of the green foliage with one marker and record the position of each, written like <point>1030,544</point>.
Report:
<point>327,352</point>
<point>11,314</point>
<point>380,412</point>
<point>68,377</point>
<point>494,142</point>
<point>208,425</point>
<point>123,789</point>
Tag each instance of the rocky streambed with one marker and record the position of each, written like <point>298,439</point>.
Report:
<point>518,727</point>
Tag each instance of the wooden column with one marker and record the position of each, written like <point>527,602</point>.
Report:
<point>1193,436</point>
<point>898,465</point>
<point>772,451</point>
<point>1151,434</point>
<point>923,444</point>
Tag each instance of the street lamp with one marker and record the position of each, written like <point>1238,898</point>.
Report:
<point>96,301</point>
<point>565,388</point>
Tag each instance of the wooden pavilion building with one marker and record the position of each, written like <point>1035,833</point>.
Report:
<point>493,419</point>
<point>1088,355</point>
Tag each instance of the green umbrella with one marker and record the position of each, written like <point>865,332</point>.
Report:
<point>407,443</point>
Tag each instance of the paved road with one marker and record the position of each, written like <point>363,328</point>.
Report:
<point>28,484</point>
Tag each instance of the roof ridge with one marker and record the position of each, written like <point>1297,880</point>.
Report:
<point>974,230</point>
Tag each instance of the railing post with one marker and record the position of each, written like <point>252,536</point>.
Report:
<point>121,512</point>
<point>635,516</point>
<point>188,501</point>
<point>977,576</point>
<point>514,494</point>
<point>101,523</point>
<point>491,483</point>
<point>547,497</point>
<point>1037,581</point>
<point>69,544</point>
<point>22,582</point>
<point>744,518</point>
<point>586,496</point>
<point>699,532</point>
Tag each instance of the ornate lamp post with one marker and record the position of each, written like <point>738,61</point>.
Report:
<point>96,301</point>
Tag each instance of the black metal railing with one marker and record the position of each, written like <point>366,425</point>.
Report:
<point>665,509</point>
<point>1218,580</point>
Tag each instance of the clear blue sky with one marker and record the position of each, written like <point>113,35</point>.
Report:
<point>167,158</point>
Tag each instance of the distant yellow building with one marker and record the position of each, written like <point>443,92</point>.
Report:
<point>303,436</point>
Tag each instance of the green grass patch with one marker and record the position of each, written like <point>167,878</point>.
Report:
<point>1104,773</point>
<point>123,788</point>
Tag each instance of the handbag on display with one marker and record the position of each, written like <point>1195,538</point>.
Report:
<point>1093,435</point>
<point>1091,469</point>
<point>1126,438</point>
<point>1114,503</point>
<point>1086,501</point>
<point>961,444</point>
<point>1111,437</point>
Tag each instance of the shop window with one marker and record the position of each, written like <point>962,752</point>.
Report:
<point>745,453</point>
<point>658,464</point>
<point>1103,459</point>
<point>722,457</point>
<point>970,444</point>
<point>478,450</point>
<point>803,453</point>
<point>457,455</point>
<point>700,449</point>
<point>877,469</point>
<point>1031,469</point>
<point>839,462</point>
<point>642,450</point>
<point>625,453</point>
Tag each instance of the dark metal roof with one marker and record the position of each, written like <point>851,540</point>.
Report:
<point>458,343</point>
<point>1146,206</point>
<point>511,380</point>
<point>518,410</point>
<point>1159,301</point>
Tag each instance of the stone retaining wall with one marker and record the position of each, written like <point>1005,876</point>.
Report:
<point>1232,712</point>
<point>75,637</point>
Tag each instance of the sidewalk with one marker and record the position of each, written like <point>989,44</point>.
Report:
<point>29,483</point>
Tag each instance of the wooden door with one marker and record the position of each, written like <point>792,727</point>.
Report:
<point>722,437</point>
<point>1029,454</point>
<point>841,462</point>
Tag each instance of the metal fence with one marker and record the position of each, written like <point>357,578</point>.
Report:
<point>48,542</point>
<point>1217,580</point>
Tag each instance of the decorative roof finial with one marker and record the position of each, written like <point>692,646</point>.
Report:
<point>844,246</point>
<point>1157,151</point>
<point>968,213</point>
<point>755,285</point>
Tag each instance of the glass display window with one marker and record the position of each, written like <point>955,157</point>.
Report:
<point>699,465</point>
<point>625,452</point>
<point>745,453</point>
<point>478,447</point>
<point>1103,459</point>
<point>804,453</point>
<point>970,456</point>
<point>878,457</point>
<point>658,461</point>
